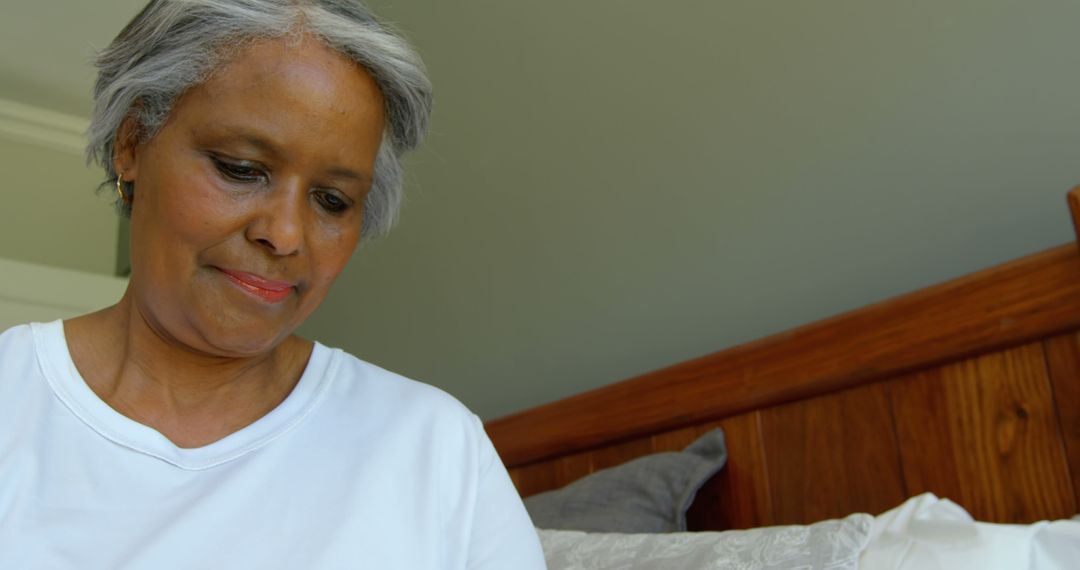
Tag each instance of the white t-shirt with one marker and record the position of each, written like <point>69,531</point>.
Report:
<point>357,468</point>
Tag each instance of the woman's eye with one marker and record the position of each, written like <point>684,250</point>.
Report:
<point>239,172</point>
<point>331,202</point>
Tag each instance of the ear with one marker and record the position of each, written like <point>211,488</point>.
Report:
<point>126,148</point>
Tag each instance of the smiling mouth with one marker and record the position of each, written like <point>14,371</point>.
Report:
<point>265,289</point>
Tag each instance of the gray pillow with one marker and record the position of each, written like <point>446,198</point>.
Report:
<point>647,494</point>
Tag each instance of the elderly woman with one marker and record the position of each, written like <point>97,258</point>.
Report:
<point>254,143</point>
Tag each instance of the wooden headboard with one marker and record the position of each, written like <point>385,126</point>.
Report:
<point>969,389</point>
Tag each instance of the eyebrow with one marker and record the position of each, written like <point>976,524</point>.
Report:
<point>260,143</point>
<point>264,145</point>
<point>341,172</point>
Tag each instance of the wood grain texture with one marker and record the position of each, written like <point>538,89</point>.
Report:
<point>1030,298</point>
<point>1063,365</point>
<point>983,432</point>
<point>554,473</point>
<point>832,455</point>
<point>551,474</point>
<point>623,452</point>
<point>738,496</point>
<point>1074,210</point>
<point>533,479</point>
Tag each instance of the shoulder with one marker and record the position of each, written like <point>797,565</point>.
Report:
<point>365,390</point>
<point>24,354</point>
<point>19,340</point>
<point>356,374</point>
<point>368,407</point>
<point>17,333</point>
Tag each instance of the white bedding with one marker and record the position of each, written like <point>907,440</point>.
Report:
<point>924,533</point>
<point>928,533</point>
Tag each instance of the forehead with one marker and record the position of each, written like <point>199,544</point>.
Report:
<point>295,58</point>
<point>292,91</point>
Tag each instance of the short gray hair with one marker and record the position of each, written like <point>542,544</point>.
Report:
<point>173,45</point>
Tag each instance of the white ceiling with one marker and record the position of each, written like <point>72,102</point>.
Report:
<point>46,47</point>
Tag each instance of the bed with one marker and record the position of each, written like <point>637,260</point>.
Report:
<point>969,390</point>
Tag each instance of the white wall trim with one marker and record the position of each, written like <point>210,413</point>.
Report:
<point>31,292</point>
<point>57,287</point>
<point>24,123</point>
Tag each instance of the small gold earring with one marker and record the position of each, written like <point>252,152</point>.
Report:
<point>120,187</point>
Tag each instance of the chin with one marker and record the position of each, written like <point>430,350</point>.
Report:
<point>233,328</point>
<point>238,335</point>
<point>238,344</point>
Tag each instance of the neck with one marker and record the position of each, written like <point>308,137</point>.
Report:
<point>191,397</point>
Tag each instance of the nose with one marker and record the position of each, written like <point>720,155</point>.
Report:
<point>278,220</point>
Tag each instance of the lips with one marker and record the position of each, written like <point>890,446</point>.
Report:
<point>266,289</point>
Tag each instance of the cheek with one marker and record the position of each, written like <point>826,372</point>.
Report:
<point>334,250</point>
<point>195,211</point>
<point>177,195</point>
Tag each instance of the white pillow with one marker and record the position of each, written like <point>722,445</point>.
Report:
<point>928,533</point>
<point>827,545</point>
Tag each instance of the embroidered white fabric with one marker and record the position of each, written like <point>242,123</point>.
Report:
<point>928,533</point>
<point>827,545</point>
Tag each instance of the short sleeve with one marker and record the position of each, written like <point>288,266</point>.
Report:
<point>502,535</point>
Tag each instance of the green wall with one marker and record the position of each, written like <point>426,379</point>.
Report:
<point>51,213</point>
<point>614,186</point>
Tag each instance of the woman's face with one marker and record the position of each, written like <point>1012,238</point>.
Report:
<point>248,201</point>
